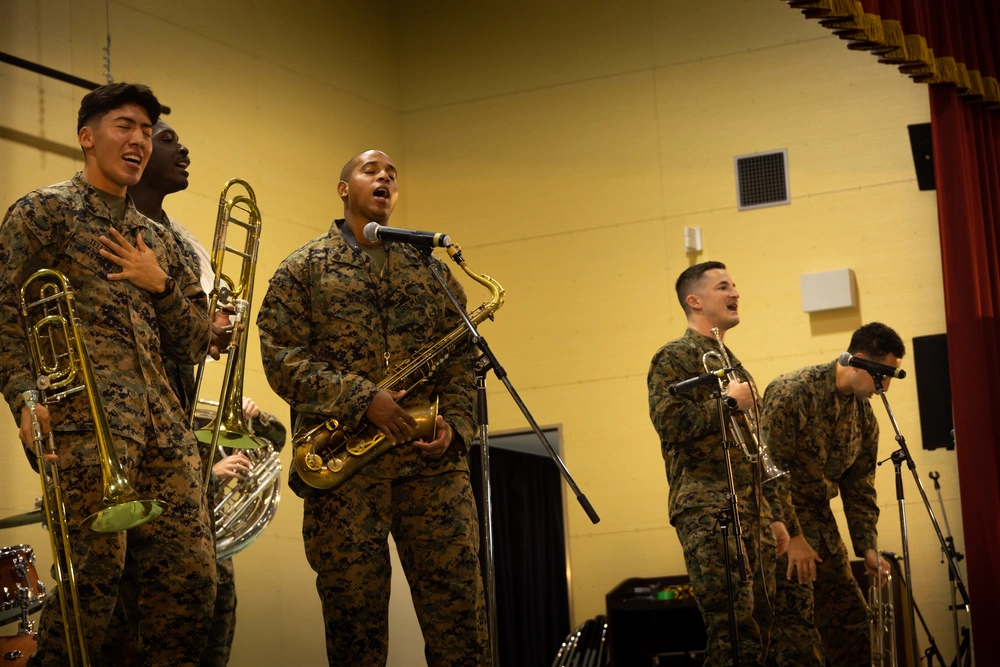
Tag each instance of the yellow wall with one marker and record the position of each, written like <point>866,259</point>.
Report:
<point>564,145</point>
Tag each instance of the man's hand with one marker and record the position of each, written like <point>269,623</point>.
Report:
<point>250,409</point>
<point>391,419</point>
<point>222,333</point>
<point>25,434</point>
<point>234,466</point>
<point>780,536</point>
<point>872,563</point>
<point>436,448</point>
<point>138,263</point>
<point>743,394</point>
<point>802,559</point>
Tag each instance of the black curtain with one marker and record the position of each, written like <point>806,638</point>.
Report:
<point>529,554</point>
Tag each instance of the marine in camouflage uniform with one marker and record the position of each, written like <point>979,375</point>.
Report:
<point>332,324</point>
<point>819,425</point>
<point>691,444</point>
<point>128,333</point>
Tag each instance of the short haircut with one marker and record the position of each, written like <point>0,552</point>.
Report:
<point>875,340</point>
<point>112,96</point>
<point>689,277</point>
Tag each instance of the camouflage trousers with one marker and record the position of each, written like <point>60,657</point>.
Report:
<point>434,524</point>
<point>701,539</point>
<point>220,637</point>
<point>121,637</point>
<point>825,622</point>
<point>174,555</point>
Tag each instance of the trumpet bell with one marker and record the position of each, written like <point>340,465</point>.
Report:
<point>123,516</point>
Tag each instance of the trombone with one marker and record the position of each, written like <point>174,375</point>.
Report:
<point>59,358</point>
<point>881,617</point>
<point>750,421</point>
<point>229,428</point>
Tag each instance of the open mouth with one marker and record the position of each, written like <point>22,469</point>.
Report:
<point>133,159</point>
<point>381,193</point>
<point>183,163</point>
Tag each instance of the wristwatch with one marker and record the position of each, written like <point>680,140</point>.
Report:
<point>167,291</point>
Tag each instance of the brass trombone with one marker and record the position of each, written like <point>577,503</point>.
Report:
<point>750,422</point>
<point>229,428</point>
<point>59,357</point>
<point>881,617</point>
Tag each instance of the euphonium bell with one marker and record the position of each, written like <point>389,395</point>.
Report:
<point>750,422</point>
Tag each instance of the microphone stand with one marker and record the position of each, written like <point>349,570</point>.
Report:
<point>484,363</point>
<point>957,556</point>
<point>898,457</point>
<point>729,518</point>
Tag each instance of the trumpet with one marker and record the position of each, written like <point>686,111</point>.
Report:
<point>750,422</point>
<point>881,618</point>
<point>229,428</point>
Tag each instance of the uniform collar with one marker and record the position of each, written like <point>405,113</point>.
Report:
<point>95,205</point>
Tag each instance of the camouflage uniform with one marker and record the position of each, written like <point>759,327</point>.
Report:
<point>128,337</point>
<point>220,638</point>
<point>330,327</point>
<point>827,442</point>
<point>688,426</point>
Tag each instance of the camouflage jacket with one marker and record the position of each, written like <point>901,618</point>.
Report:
<point>331,328</point>
<point>182,375</point>
<point>826,442</point>
<point>690,439</point>
<point>128,335</point>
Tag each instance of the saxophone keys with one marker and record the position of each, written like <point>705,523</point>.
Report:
<point>313,462</point>
<point>335,465</point>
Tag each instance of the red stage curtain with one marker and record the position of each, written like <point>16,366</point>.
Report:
<point>954,45</point>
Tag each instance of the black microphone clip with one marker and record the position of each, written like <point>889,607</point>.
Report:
<point>685,386</point>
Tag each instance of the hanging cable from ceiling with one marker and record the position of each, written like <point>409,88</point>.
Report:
<point>107,49</point>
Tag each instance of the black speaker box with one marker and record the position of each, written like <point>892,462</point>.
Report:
<point>930,362</point>
<point>657,620</point>
<point>923,154</point>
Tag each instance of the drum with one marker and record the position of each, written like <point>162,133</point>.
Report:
<point>19,584</point>
<point>16,649</point>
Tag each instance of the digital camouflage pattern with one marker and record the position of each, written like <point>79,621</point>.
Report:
<point>220,637</point>
<point>127,333</point>
<point>331,326</point>
<point>433,523</point>
<point>705,560</point>
<point>128,336</point>
<point>691,444</point>
<point>828,443</point>
<point>173,554</point>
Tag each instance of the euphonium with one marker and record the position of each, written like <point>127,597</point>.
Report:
<point>327,455</point>
<point>750,422</point>
<point>881,618</point>
<point>229,428</point>
<point>244,507</point>
<point>59,357</point>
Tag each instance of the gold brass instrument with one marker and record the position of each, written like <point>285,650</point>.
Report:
<point>59,358</point>
<point>326,455</point>
<point>881,618</point>
<point>750,422</point>
<point>229,428</point>
<point>243,508</point>
<point>62,563</point>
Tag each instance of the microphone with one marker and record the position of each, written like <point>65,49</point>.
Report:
<point>874,367</point>
<point>375,232</point>
<point>684,386</point>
